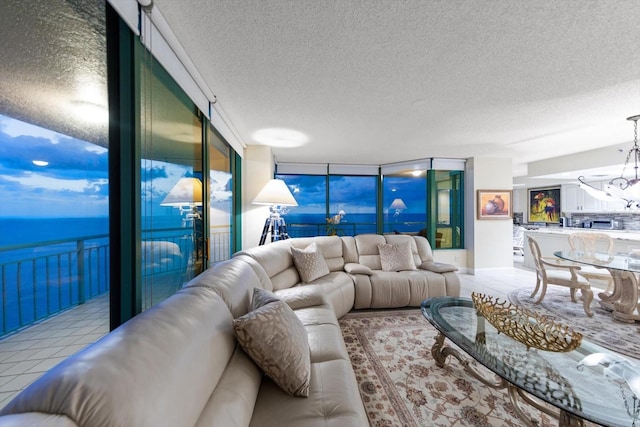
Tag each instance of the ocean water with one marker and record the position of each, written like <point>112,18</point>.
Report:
<point>39,279</point>
<point>300,225</point>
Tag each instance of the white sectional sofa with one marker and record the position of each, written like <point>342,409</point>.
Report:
<point>180,363</point>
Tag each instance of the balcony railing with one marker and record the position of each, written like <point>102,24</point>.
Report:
<point>41,279</point>
<point>350,228</point>
<point>44,278</point>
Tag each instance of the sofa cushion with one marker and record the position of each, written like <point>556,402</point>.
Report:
<point>277,341</point>
<point>302,296</point>
<point>396,257</point>
<point>309,262</point>
<point>355,268</point>
<point>438,267</point>
<point>334,400</point>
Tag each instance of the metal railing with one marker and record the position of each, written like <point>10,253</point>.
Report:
<point>41,279</point>
<point>349,228</point>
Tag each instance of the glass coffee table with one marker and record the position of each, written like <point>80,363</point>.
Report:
<point>588,383</point>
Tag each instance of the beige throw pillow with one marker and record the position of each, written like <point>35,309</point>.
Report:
<point>262,297</point>
<point>277,342</point>
<point>309,262</point>
<point>396,257</point>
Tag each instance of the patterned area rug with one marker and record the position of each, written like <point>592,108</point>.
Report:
<point>401,385</point>
<point>601,329</point>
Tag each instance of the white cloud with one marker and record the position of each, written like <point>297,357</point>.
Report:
<point>36,180</point>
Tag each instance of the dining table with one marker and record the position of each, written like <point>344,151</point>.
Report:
<point>624,268</point>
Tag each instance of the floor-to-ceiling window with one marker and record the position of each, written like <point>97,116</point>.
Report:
<point>352,204</point>
<point>54,206</point>
<point>404,202</point>
<point>172,220</point>
<point>309,218</point>
<point>53,159</point>
<point>413,198</point>
<point>220,197</point>
<point>448,209</point>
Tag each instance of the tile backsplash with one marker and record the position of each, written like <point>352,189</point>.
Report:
<point>630,221</point>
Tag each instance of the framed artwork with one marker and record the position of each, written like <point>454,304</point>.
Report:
<point>495,204</point>
<point>544,205</point>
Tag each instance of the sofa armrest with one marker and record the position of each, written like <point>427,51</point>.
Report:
<point>438,267</point>
<point>355,268</point>
<point>302,296</point>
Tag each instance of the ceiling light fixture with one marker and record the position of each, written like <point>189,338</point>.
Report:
<point>621,188</point>
<point>280,137</point>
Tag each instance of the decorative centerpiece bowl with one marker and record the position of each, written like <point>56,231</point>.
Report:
<point>531,329</point>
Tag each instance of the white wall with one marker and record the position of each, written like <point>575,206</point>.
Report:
<point>489,242</point>
<point>257,170</point>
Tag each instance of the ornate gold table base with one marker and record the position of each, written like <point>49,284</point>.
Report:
<point>440,352</point>
<point>623,301</point>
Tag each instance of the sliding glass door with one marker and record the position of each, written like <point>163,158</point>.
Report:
<point>171,209</point>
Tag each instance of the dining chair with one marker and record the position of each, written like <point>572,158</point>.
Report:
<point>550,271</point>
<point>590,243</point>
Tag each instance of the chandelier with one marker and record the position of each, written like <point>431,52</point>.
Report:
<point>621,188</point>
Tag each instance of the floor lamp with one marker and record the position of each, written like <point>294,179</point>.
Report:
<point>276,195</point>
<point>186,195</point>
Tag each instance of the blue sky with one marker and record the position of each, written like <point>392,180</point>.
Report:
<point>74,183</point>
<point>75,180</point>
<point>353,194</point>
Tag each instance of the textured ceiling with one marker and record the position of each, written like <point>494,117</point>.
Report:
<point>54,66</point>
<point>383,81</point>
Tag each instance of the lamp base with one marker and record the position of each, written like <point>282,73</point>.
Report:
<point>276,226</point>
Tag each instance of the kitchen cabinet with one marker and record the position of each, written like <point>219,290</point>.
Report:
<point>575,199</point>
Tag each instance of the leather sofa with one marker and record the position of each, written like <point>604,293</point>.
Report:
<point>180,363</point>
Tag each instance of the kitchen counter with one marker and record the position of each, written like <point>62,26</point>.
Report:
<point>615,234</point>
<point>551,239</point>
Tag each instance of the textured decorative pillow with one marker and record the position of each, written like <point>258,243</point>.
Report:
<point>262,297</point>
<point>396,257</point>
<point>277,342</point>
<point>309,262</point>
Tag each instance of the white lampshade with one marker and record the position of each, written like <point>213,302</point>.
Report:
<point>397,204</point>
<point>275,192</point>
<point>188,191</point>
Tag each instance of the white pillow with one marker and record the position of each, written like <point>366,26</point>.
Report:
<point>396,257</point>
<point>309,262</point>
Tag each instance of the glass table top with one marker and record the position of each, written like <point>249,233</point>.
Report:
<point>614,261</point>
<point>590,382</point>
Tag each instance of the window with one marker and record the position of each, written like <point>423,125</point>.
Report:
<point>352,204</point>
<point>54,214</point>
<point>448,209</point>
<point>220,197</point>
<point>309,217</point>
<point>414,199</point>
<point>405,203</point>
<point>172,241</point>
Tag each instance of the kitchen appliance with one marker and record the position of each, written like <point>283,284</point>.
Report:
<point>564,221</point>
<point>606,224</point>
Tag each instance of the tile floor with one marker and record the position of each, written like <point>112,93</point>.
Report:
<point>27,354</point>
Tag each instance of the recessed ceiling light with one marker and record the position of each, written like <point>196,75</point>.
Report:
<point>90,112</point>
<point>416,173</point>
<point>280,137</point>
<point>40,162</point>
